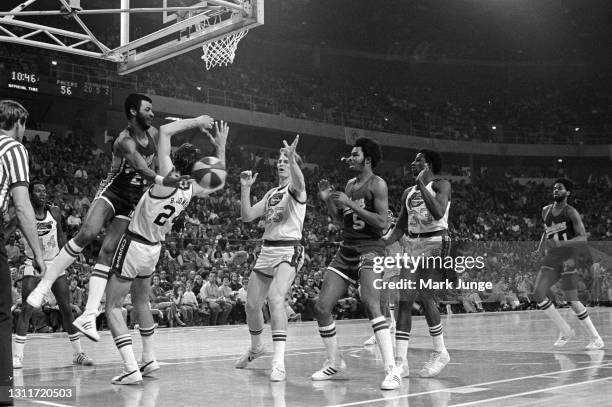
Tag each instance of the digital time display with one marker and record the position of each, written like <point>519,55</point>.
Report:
<point>24,77</point>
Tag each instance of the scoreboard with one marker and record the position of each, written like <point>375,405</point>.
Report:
<point>34,83</point>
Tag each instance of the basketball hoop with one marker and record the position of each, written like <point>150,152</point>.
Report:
<point>221,52</point>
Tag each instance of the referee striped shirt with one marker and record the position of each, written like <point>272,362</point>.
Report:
<point>14,169</point>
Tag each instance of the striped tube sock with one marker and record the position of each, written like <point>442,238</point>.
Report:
<point>124,344</point>
<point>256,340</point>
<point>401,344</point>
<point>551,312</point>
<point>438,338</point>
<point>383,339</point>
<point>19,344</point>
<point>148,351</point>
<point>75,341</point>
<point>97,285</point>
<point>279,340</point>
<point>392,315</point>
<point>64,258</point>
<point>587,323</point>
<point>330,340</point>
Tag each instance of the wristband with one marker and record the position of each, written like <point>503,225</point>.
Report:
<point>159,180</point>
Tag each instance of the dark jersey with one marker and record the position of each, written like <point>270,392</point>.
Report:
<point>560,226</point>
<point>356,232</point>
<point>122,179</point>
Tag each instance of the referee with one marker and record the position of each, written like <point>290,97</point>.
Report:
<point>14,179</point>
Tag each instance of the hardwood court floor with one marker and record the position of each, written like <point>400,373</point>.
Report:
<point>497,359</point>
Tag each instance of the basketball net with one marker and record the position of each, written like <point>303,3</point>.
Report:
<point>221,52</point>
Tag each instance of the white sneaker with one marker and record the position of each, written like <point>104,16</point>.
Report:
<point>403,364</point>
<point>278,373</point>
<point>329,370</point>
<point>133,377</point>
<point>248,357</point>
<point>149,367</point>
<point>86,324</point>
<point>37,297</point>
<point>595,344</point>
<point>393,379</point>
<point>371,341</point>
<point>437,361</point>
<point>17,361</point>
<point>564,338</point>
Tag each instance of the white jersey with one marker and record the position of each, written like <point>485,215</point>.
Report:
<point>154,216</point>
<point>284,215</point>
<point>47,236</point>
<point>420,220</point>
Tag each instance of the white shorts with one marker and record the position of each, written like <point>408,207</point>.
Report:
<point>28,269</point>
<point>135,258</point>
<point>272,256</point>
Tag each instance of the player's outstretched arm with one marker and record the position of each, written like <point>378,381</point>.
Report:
<point>325,191</point>
<point>297,177</point>
<point>219,141</point>
<point>402,221</point>
<point>378,218</point>
<point>248,212</point>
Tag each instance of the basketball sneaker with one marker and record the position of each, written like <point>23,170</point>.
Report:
<point>595,344</point>
<point>393,379</point>
<point>37,297</point>
<point>133,377</point>
<point>437,361</point>
<point>17,361</point>
<point>403,364</point>
<point>564,338</point>
<point>371,341</point>
<point>149,367</point>
<point>329,370</point>
<point>278,373</point>
<point>248,357</point>
<point>86,324</point>
<point>82,359</point>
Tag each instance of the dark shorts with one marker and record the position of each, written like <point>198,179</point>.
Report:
<point>349,262</point>
<point>122,208</point>
<point>561,263</point>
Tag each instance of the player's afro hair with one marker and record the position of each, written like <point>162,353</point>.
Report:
<point>184,158</point>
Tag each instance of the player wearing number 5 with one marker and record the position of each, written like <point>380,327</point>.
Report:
<point>283,209</point>
<point>564,241</point>
<point>139,248</point>
<point>362,209</point>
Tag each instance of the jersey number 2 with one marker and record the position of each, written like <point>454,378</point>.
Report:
<point>163,217</point>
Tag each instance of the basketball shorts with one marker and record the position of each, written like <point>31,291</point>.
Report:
<point>135,257</point>
<point>271,256</point>
<point>28,269</point>
<point>122,208</point>
<point>349,262</point>
<point>561,261</point>
<point>431,252</point>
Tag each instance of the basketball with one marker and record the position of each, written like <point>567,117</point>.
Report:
<point>209,172</point>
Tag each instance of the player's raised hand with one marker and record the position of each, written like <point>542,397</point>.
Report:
<point>340,198</point>
<point>205,122</point>
<point>247,178</point>
<point>325,189</point>
<point>289,149</point>
<point>221,131</point>
<point>173,180</point>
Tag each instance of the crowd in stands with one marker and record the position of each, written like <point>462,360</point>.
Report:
<point>207,259</point>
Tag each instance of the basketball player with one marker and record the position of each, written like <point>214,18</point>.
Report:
<point>424,215</point>
<point>131,169</point>
<point>362,209</point>
<point>284,208</point>
<point>140,246</point>
<point>388,297</point>
<point>564,239</point>
<point>51,237</point>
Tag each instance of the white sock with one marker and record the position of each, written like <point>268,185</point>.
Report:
<point>328,334</point>
<point>97,286</point>
<point>383,339</point>
<point>67,255</point>
<point>392,316</point>
<point>124,344</point>
<point>437,337</point>
<point>148,351</point>
<point>75,341</point>
<point>551,312</point>
<point>19,345</point>
<point>587,324</point>
<point>256,340</point>
<point>401,344</point>
<point>279,341</point>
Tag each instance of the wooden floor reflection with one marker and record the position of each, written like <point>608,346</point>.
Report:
<point>497,359</point>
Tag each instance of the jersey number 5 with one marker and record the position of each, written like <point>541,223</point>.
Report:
<point>163,217</point>
<point>358,224</point>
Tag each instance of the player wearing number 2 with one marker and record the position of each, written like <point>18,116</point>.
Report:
<point>564,240</point>
<point>139,248</point>
<point>362,209</point>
